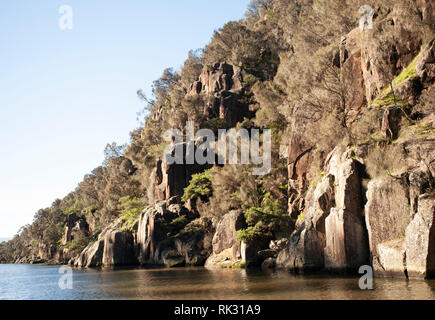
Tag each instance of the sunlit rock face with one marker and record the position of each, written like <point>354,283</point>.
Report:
<point>226,247</point>
<point>332,235</point>
<point>157,244</point>
<point>420,240</point>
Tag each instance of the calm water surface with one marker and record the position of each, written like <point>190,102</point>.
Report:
<point>41,282</point>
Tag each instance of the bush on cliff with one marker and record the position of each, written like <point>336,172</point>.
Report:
<point>76,246</point>
<point>268,220</point>
<point>130,209</point>
<point>199,187</point>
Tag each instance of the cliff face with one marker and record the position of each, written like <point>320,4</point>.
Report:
<point>347,222</point>
<point>352,113</point>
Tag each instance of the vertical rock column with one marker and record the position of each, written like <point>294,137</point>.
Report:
<point>420,240</point>
<point>387,216</point>
<point>346,241</point>
<point>119,249</point>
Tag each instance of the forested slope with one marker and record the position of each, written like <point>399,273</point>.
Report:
<point>351,112</point>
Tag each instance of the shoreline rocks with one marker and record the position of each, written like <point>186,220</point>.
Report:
<point>227,250</point>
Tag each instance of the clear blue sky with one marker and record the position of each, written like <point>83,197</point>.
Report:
<point>64,94</point>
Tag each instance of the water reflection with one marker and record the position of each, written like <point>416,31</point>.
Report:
<point>41,282</point>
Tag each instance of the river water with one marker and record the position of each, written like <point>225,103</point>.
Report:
<point>39,282</point>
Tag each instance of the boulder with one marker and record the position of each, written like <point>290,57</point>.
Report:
<point>304,253</point>
<point>226,247</point>
<point>92,255</point>
<point>157,245</point>
<point>226,233</point>
<point>254,252</point>
<point>195,242</point>
<point>420,240</point>
<point>391,259</point>
<point>173,259</point>
<point>387,215</point>
<point>119,249</point>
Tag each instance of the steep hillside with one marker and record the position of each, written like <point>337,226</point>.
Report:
<point>351,113</point>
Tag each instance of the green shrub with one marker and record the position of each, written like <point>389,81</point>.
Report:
<point>270,218</point>
<point>156,151</point>
<point>249,79</point>
<point>88,210</point>
<point>130,209</point>
<point>178,223</point>
<point>166,230</point>
<point>199,187</point>
<point>247,124</point>
<point>386,98</point>
<point>77,245</point>
<point>249,234</point>
<point>407,73</point>
<point>72,206</point>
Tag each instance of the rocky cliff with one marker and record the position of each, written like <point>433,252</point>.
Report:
<point>349,217</point>
<point>352,113</point>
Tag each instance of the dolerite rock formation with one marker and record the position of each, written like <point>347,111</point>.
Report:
<point>345,218</point>
<point>346,238</point>
<point>223,82</point>
<point>146,242</point>
<point>342,225</point>
<point>46,252</point>
<point>227,250</point>
<point>119,249</point>
<point>114,247</point>
<point>402,242</point>
<point>169,180</point>
<point>387,215</point>
<point>399,217</point>
<point>76,227</point>
<point>162,240</point>
<point>92,255</point>
<point>222,85</point>
<point>420,240</point>
<point>332,235</point>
